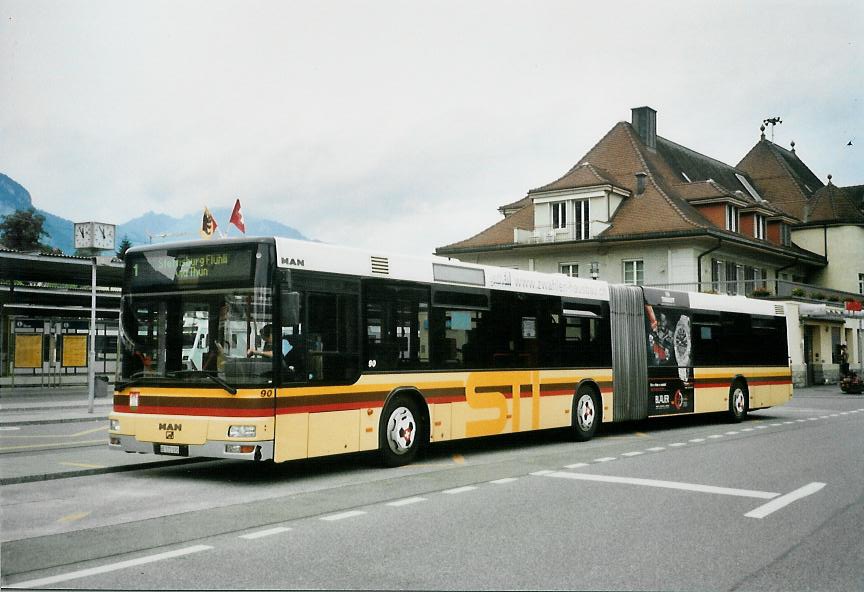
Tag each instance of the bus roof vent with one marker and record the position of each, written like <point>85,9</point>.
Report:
<point>380,265</point>
<point>779,310</point>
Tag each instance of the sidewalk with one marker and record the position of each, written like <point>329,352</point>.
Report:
<point>43,405</point>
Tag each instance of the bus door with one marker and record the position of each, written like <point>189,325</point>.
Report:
<point>629,372</point>
<point>668,339</point>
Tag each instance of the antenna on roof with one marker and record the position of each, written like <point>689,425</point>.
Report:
<point>772,121</point>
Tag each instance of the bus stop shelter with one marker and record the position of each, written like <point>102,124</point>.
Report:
<point>46,297</point>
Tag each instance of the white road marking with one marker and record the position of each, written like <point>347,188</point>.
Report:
<point>731,433</point>
<point>844,413</point>
<point>715,436</point>
<point>784,500</point>
<point>761,427</point>
<point>634,453</point>
<point>813,419</point>
<point>677,444</point>
<point>775,425</point>
<point>656,449</point>
<point>835,415</point>
<point>407,501</point>
<point>697,440</point>
<point>504,480</point>
<point>747,430</point>
<point>576,466</point>
<point>788,422</point>
<point>604,459</point>
<point>459,490</point>
<point>800,421</point>
<point>343,515</point>
<point>541,473</point>
<point>83,573</point>
<point>666,485</point>
<point>9,429</point>
<point>265,533</point>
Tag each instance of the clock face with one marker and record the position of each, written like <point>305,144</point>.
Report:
<point>83,235</point>
<point>103,236</point>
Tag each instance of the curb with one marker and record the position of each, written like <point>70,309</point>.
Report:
<point>25,422</point>
<point>105,470</point>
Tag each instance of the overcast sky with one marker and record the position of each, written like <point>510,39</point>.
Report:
<point>400,125</point>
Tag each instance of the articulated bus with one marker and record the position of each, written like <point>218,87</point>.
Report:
<point>313,350</point>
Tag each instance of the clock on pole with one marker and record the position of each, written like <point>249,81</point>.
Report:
<point>95,236</point>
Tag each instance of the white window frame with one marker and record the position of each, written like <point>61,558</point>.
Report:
<point>558,215</point>
<point>634,267</point>
<point>785,234</point>
<point>582,226</point>
<point>759,226</point>
<point>568,269</point>
<point>733,218</point>
<point>861,283</point>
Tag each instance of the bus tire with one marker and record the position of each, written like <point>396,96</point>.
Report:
<point>401,431</point>
<point>739,398</point>
<point>587,413</point>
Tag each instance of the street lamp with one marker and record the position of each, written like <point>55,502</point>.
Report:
<point>595,270</point>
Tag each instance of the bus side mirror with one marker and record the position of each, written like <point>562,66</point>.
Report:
<point>290,309</point>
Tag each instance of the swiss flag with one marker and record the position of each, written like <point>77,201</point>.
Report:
<point>237,217</point>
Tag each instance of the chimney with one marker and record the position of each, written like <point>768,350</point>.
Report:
<point>645,123</point>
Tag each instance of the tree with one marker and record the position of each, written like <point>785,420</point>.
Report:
<point>125,245</point>
<point>22,231</point>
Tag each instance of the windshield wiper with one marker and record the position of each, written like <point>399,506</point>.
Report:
<point>212,377</point>
<point>135,379</point>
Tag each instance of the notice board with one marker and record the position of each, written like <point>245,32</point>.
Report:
<point>74,351</point>
<point>28,351</point>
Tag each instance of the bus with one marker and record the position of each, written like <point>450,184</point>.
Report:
<point>314,349</point>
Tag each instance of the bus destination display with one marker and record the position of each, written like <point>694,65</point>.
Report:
<point>188,269</point>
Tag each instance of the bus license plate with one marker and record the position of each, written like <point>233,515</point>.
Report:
<point>169,449</point>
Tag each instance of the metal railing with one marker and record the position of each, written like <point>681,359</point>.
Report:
<point>549,234</point>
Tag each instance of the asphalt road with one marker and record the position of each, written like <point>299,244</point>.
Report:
<point>773,503</point>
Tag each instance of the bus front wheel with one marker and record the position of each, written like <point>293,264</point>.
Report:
<point>400,437</point>
<point>586,414</point>
<point>737,401</point>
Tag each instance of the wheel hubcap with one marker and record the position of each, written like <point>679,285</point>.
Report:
<point>738,401</point>
<point>401,430</point>
<point>585,412</point>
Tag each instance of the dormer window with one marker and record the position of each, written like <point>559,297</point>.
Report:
<point>759,226</point>
<point>559,215</point>
<point>732,217</point>
<point>785,235</point>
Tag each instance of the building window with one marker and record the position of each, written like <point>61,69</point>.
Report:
<point>785,235</point>
<point>861,283</point>
<point>731,286</point>
<point>582,224</point>
<point>759,226</point>
<point>569,269</point>
<point>634,272</point>
<point>559,215</point>
<point>731,218</point>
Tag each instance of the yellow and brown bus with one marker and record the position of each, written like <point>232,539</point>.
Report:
<point>312,349</point>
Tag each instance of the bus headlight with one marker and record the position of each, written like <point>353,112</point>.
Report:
<point>114,425</point>
<point>241,431</point>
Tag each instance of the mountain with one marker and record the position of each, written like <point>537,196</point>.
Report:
<point>152,227</point>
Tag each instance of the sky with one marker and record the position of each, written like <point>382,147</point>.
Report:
<point>400,125</point>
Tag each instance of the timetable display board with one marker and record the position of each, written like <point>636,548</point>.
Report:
<point>28,351</point>
<point>74,351</point>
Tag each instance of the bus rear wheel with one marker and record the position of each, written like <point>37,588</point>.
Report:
<point>586,414</point>
<point>737,401</point>
<point>400,434</point>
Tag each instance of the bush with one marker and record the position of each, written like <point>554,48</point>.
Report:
<point>761,292</point>
<point>798,292</point>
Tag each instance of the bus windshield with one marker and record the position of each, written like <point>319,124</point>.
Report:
<point>197,316</point>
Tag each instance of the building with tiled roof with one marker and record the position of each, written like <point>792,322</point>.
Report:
<point>639,208</point>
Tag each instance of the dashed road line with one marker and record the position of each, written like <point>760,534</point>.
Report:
<point>83,573</point>
<point>656,449</point>
<point>343,515</point>
<point>576,466</point>
<point>677,444</point>
<point>407,501</point>
<point>459,489</point>
<point>697,440</point>
<point>264,533</point>
<point>504,480</point>
<point>634,453</point>
<point>541,473</point>
<point>604,459</point>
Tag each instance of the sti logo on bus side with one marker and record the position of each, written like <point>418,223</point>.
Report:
<point>293,262</point>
